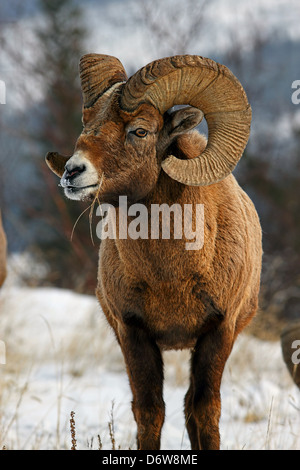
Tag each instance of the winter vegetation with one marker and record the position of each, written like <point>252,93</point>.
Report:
<point>53,328</point>
<point>56,363</point>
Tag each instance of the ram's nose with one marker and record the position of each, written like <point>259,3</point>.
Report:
<point>71,172</point>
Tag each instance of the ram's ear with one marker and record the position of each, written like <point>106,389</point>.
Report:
<point>56,162</point>
<point>184,119</point>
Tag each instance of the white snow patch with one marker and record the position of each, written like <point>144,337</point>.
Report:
<point>61,356</point>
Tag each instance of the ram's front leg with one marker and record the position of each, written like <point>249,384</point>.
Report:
<point>203,401</point>
<point>145,370</point>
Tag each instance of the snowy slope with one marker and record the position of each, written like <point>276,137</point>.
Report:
<point>61,357</point>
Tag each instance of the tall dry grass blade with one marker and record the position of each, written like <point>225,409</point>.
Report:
<point>14,417</point>
<point>91,207</point>
<point>269,424</point>
<point>77,220</point>
<point>111,427</point>
<point>96,198</point>
<point>73,431</point>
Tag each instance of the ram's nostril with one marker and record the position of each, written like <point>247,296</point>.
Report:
<point>74,170</point>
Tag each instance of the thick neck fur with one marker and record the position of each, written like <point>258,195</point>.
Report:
<point>169,192</point>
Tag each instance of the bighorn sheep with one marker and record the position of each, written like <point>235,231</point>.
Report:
<point>2,253</point>
<point>156,294</point>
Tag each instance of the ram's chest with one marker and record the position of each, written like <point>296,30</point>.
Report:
<point>175,310</point>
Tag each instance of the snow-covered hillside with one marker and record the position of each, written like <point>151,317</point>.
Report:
<point>62,357</point>
<point>60,354</point>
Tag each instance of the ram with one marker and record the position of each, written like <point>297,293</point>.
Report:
<point>155,293</point>
<point>3,244</point>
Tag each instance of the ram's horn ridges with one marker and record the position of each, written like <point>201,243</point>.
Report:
<point>209,86</point>
<point>98,73</point>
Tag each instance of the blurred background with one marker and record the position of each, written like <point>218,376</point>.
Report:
<point>41,42</point>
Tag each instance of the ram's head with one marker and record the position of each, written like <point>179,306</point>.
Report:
<point>128,132</point>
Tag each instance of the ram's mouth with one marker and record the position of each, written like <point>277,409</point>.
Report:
<point>79,188</point>
<point>81,192</point>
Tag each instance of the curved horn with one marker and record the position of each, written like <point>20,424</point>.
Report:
<point>98,73</point>
<point>206,85</point>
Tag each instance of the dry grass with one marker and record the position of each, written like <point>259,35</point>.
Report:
<point>35,342</point>
<point>90,444</point>
<point>73,431</point>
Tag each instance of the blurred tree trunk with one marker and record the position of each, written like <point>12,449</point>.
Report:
<point>49,119</point>
<point>61,41</point>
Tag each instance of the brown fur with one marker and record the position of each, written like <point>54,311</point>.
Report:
<point>2,253</point>
<point>157,295</point>
<point>173,299</point>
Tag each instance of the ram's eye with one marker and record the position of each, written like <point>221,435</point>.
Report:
<point>140,132</point>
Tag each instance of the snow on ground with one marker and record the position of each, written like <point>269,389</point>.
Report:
<point>62,357</point>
